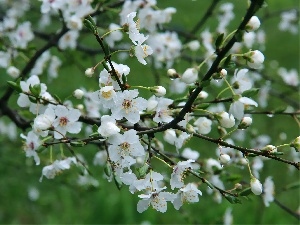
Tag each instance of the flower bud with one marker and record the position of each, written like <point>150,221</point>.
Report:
<point>78,93</point>
<point>193,45</point>
<point>253,24</point>
<point>172,73</point>
<point>254,59</point>
<point>269,149</point>
<point>224,158</point>
<point>89,72</point>
<point>80,106</point>
<point>223,72</point>
<point>256,186</point>
<point>203,95</point>
<point>296,144</point>
<point>245,122</point>
<point>190,76</point>
<point>13,72</point>
<point>238,186</point>
<point>159,91</point>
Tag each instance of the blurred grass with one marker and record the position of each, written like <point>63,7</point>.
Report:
<point>60,202</point>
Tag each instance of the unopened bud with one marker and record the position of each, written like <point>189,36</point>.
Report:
<point>78,93</point>
<point>245,122</point>
<point>159,91</point>
<point>269,149</point>
<point>172,73</point>
<point>256,186</point>
<point>89,72</point>
<point>224,158</point>
<point>296,144</point>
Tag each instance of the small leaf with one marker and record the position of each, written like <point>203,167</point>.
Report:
<point>219,41</point>
<point>108,169</point>
<point>35,90</point>
<point>55,96</point>
<point>292,185</point>
<point>245,192</point>
<point>77,143</point>
<point>142,171</point>
<point>203,106</point>
<point>32,99</point>
<point>95,128</point>
<point>280,109</point>
<point>251,92</point>
<point>239,35</point>
<point>232,199</point>
<point>89,25</point>
<point>227,61</point>
<point>118,181</point>
<point>14,86</point>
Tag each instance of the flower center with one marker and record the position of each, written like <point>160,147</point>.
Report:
<point>126,104</point>
<point>63,121</point>
<point>106,94</point>
<point>125,146</point>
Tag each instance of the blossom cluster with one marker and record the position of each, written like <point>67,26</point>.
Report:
<point>122,121</point>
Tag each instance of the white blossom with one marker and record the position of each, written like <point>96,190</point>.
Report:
<point>203,125</point>
<point>269,189</point>
<point>179,173</point>
<point>189,194</point>
<point>56,167</point>
<point>158,199</point>
<point>128,105</point>
<point>32,143</point>
<point>189,76</point>
<point>66,121</point>
<point>108,126</point>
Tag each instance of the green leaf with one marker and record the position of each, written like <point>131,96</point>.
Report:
<point>227,61</point>
<point>15,86</point>
<point>32,99</point>
<point>203,105</point>
<point>89,25</point>
<point>55,96</point>
<point>239,35</point>
<point>118,181</point>
<point>232,199</point>
<point>95,128</point>
<point>245,192</point>
<point>91,20</point>
<point>77,143</point>
<point>251,92</point>
<point>142,171</point>
<point>280,109</point>
<point>219,41</point>
<point>35,90</point>
<point>292,185</point>
<point>108,169</point>
<point>234,178</point>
